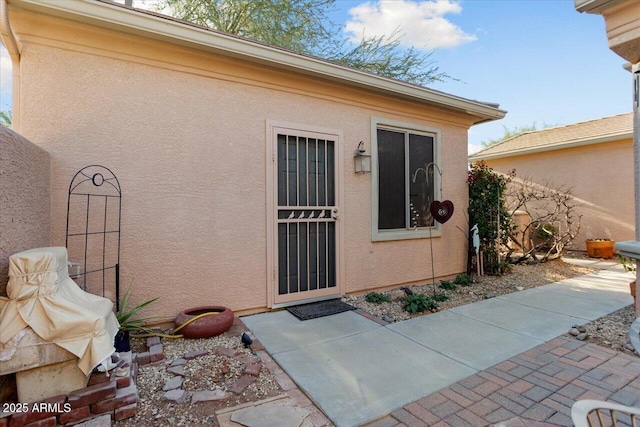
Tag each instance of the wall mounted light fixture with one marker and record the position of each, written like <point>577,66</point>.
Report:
<point>362,161</point>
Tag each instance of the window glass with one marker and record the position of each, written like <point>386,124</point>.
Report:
<point>405,179</point>
<point>391,180</point>
<point>421,189</point>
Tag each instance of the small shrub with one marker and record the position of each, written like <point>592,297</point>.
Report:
<point>545,232</point>
<point>440,297</point>
<point>419,303</point>
<point>628,264</point>
<point>463,280</point>
<point>376,298</point>
<point>447,285</point>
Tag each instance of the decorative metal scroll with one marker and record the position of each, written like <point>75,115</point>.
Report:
<point>93,231</point>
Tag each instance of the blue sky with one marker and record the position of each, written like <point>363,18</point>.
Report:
<point>540,60</point>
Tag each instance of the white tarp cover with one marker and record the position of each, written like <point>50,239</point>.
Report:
<point>44,297</point>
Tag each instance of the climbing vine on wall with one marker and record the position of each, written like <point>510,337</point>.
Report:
<point>488,209</point>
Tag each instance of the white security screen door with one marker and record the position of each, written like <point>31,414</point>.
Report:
<point>306,215</point>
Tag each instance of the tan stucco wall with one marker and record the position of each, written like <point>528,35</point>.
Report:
<point>600,177</point>
<point>184,132</point>
<point>25,203</point>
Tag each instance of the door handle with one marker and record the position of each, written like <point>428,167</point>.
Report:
<point>334,213</point>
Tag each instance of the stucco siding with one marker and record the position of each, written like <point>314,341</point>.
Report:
<point>25,203</point>
<point>600,177</point>
<point>185,133</point>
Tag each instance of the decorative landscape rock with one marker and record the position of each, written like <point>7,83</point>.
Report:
<point>270,416</point>
<point>193,354</point>
<point>177,396</point>
<point>173,383</point>
<point>178,362</point>
<point>574,332</point>
<point>248,359</point>
<point>253,369</point>
<point>208,396</point>
<point>176,370</point>
<point>242,383</point>
<point>583,336</point>
<point>223,351</point>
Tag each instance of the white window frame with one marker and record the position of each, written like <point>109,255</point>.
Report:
<point>408,233</point>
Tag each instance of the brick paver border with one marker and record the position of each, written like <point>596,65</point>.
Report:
<point>540,385</point>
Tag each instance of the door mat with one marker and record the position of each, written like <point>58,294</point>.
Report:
<point>319,309</point>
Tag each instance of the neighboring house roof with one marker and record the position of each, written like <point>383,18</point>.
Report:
<point>583,133</point>
<point>112,15</point>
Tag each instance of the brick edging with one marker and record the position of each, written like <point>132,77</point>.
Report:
<point>104,394</point>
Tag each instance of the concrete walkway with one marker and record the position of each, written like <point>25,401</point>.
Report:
<point>357,370</point>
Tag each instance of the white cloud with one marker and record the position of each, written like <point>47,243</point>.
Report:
<point>5,78</point>
<point>422,23</point>
<point>473,148</point>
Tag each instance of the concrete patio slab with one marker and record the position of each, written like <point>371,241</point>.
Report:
<point>607,285</point>
<point>553,301</point>
<point>598,263</point>
<point>281,331</point>
<point>356,370</point>
<point>471,342</point>
<point>361,377</point>
<point>529,321</point>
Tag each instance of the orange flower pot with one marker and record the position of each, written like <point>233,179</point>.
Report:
<point>600,248</point>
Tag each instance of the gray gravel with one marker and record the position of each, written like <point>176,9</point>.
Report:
<point>520,278</point>
<point>204,373</point>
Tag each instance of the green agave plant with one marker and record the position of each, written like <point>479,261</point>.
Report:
<point>126,316</point>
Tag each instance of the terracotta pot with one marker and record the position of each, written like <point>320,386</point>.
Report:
<point>600,248</point>
<point>207,326</point>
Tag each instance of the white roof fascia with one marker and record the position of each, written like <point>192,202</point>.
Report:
<point>113,15</point>
<point>551,147</point>
<point>594,6</point>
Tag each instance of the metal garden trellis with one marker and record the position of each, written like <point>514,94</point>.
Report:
<point>94,236</point>
<point>441,211</point>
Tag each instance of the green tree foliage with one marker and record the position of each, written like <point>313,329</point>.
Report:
<point>304,26</point>
<point>5,118</point>
<point>488,209</point>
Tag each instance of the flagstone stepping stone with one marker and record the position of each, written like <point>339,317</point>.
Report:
<point>176,370</point>
<point>178,362</point>
<point>248,359</point>
<point>242,383</point>
<point>270,416</point>
<point>178,396</point>
<point>209,395</point>
<point>223,351</point>
<point>193,354</point>
<point>253,369</point>
<point>173,383</point>
<point>101,421</point>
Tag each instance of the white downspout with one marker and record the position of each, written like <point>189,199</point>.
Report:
<point>13,46</point>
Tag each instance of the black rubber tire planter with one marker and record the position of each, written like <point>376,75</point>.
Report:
<point>207,326</point>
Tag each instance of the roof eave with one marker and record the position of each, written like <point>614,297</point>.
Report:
<point>111,15</point>
<point>568,144</point>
